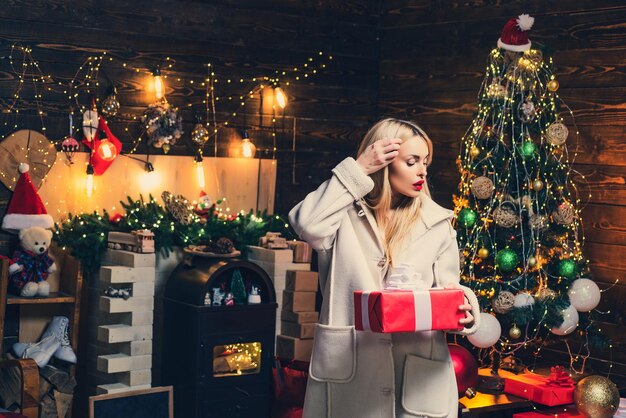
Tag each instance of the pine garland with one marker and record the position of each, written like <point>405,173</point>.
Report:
<point>85,235</point>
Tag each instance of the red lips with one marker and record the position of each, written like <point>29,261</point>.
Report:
<point>418,185</point>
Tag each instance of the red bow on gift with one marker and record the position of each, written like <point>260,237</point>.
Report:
<point>559,377</point>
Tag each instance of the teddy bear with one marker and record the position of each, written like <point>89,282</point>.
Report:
<point>32,264</point>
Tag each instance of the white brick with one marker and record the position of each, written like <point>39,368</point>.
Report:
<point>136,377</point>
<point>132,348</point>
<point>127,318</point>
<point>115,363</point>
<point>280,269</point>
<point>128,259</point>
<point>118,388</point>
<point>143,289</point>
<point>119,333</point>
<point>121,274</point>
<point>118,305</point>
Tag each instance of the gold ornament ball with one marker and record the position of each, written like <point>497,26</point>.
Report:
<point>200,135</point>
<point>515,332</point>
<point>532,262</point>
<point>483,253</point>
<point>596,397</point>
<point>537,185</point>
<point>557,133</point>
<point>553,85</point>
<point>503,302</point>
<point>166,148</point>
<point>482,187</point>
<point>474,151</point>
<point>110,105</point>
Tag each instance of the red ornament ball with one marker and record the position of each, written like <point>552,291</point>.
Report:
<point>116,218</point>
<point>465,368</point>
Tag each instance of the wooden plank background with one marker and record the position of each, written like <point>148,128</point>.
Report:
<point>418,59</point>
<point>433,55</point>
<point>242,39</point>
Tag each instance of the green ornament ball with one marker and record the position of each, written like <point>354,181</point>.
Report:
<point>528,149</point>
<point>567,268</point>
<point>506,260</point>
<point>467,218</point>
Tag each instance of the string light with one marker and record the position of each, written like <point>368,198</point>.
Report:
<point>89,180</point>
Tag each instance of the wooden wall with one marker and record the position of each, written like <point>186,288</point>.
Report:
<point>241,39</point>
<point>433,55</point>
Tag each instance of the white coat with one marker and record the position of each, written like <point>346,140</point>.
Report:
<point>357,374</point>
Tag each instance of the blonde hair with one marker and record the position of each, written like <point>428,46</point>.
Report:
<point>394,228</point>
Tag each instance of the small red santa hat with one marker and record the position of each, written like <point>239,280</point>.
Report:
<point>515,34</point>
<point>26,208</point>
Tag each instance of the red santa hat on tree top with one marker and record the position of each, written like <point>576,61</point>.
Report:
<point>26,208</point>
<point>515,34</point>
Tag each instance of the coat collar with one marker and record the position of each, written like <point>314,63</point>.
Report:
<point>431,214</point>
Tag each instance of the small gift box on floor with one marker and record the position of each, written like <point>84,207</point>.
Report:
<point>387,311</point>
<point>557,389</point>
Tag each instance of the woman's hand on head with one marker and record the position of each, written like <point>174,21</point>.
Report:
<point>378,155</point>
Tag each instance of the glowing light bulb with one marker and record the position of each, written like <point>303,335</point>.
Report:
<point>281,97</point>
<point>158,83</point>
<point>89,182</point>
<point>200,174</point>
<point>247,147</point>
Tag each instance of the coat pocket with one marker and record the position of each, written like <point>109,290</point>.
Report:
<point>426,386</point>
<point>334,354</point>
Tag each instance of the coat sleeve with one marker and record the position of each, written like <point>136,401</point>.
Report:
<point>317,218</point>
<point>447,271</point>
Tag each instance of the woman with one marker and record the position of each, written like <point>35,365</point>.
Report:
<point>375,214</point>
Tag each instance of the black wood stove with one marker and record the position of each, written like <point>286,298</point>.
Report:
<point>219,357</point>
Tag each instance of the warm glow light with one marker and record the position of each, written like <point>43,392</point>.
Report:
<point>89,182</point>
<point>281,97</point>
<point>158,83</point>
<point>89,185</point>
<point>150,182</point>
<point>200,173</point>
<point>106,150</point>
<point>247,148</point>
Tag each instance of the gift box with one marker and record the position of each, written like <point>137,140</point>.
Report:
<point>302,251</point>
<point>301,280</point>
<point>540,389</point>
<point>387,311</point>
<point>561,412</point>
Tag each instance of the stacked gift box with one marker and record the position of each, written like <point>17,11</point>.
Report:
<point>276,256</point>
<point>556,389</point>
<point>298,316</point>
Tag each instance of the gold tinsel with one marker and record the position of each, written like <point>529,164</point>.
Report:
<point>596,397</point>
<point>546,293</point>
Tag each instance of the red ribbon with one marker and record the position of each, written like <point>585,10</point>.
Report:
<point>559,377</point>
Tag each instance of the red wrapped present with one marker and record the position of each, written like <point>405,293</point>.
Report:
<point>568,411</point>
<point>387,311</point>
<point>557,389</point>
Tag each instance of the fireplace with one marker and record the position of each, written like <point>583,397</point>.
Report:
<point>218,358</point>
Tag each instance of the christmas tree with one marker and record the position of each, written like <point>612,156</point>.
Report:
<point>237,288</point>
<point>518,216</point>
